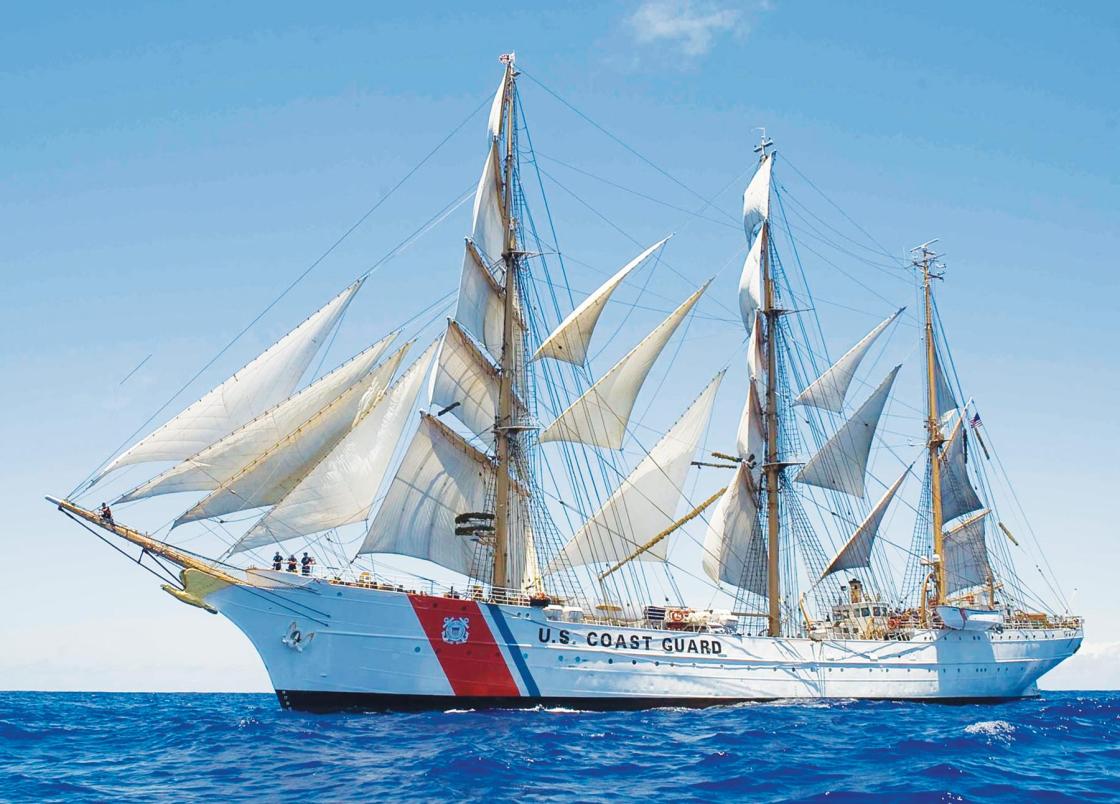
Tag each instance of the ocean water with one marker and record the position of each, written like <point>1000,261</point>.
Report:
<point>205,747</point>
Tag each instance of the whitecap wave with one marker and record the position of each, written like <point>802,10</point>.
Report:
<point>991,728</point>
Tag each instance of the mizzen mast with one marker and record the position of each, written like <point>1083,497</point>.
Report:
<point>503,430</point>
<point>772,469</point>
<point>924,261</point>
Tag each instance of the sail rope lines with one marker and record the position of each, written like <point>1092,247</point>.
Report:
<point>303,275</point>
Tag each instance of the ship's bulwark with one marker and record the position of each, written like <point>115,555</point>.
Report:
<point>331,647</point>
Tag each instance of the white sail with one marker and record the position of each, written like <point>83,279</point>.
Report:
<point>480,308</point>
<point>341,488</point>
<point>569,341</point>
<point>750,285</point>
<point>213,466</point>
<point>466,382</point>
<point>488,231</point>
<point>601,415</point>
<point>734,545</point>
<point>751,438</point>
<point>645,503</point>
<point>841,464</point>
<point>756,358</point>
<point>440,477</point>
<point>259,385</point>
<point>856,552</point>
<point>756,199</point>
<point>828,391</point>
<point>494,122</point>
<point>966,554</point>
<point>274,473</point>
<point>958,497</point>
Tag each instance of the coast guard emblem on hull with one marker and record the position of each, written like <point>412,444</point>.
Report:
<point>456,630</point>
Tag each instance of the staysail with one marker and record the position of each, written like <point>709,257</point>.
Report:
<point>734,544</point>
<point>828,391</point>
<point>213,466</point>
<point>271,475</point>
<point>570,339</point>
<point>600,416</point>
<point>856,552</point>
<point>841,464</point>
<point>261,384</point>
<point>340,488</point>
<point>645,503</point>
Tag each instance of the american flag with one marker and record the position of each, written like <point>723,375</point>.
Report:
<point>975,422</point>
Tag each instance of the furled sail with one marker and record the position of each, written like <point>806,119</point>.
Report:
<point>600,416</point>
<point>856,552</point>
<point>966,554</point>
<point>213,466</point>
<point>440,477</point>
<point>340,488</point>
<point>645,503</point>
<point>841,463</point>
<point>828,391</point>
<point>958,497</point>
<point>734,545</point>
<point>488,230</point>
<point>275,472</point>
<point>751,439</point>
<point>466,383</point>
<point>756,199</point>
<point>750,285</point>
<point>258,386</point>
<point>569,341</point>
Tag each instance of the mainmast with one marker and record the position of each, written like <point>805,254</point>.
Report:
<point>503,430</point>
<point>771,468</point>
<point>923,260</point>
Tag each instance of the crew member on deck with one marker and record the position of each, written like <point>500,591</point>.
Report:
<point>106,514</point>
<point>305,564</point>
<point>277,561</point>
<point>292,563</point>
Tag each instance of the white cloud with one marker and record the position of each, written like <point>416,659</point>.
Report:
<point>1095,667</point>
<point>690,26</point>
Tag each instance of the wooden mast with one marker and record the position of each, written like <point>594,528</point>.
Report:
<point>499,577</point>
<point>772,468</point>
<point>924,261</point>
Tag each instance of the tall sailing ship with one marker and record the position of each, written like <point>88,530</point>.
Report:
<point>495,454</point>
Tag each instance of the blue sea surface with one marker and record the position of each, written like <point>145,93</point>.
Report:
<point>208,747</point>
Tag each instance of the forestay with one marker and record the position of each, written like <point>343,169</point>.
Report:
<point>600,417</point>
<point>645,503</point>
<point>213,466</point>
<point>734,544</point>
<point>829,390</point>
<point>841,464</point>
<point>570,339</point>
<point>341,488</point>
<point>261,384</point>
<point>272,475</point>
<point>856,552</point>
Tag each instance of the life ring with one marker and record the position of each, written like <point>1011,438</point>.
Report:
<point>893,622</point>
<point>677,615</point>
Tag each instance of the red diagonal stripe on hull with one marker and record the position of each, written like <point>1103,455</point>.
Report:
<point>475,667</point>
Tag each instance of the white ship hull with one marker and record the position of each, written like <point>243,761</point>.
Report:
<point>328,646</point>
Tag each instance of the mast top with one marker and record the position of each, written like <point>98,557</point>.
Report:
<point>764,144</point>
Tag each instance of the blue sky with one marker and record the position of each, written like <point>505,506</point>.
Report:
<point>165,170</point>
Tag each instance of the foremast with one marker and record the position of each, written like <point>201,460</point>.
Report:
<point>772,468</point>
<point>923,260</point>
<point>504,427</point>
